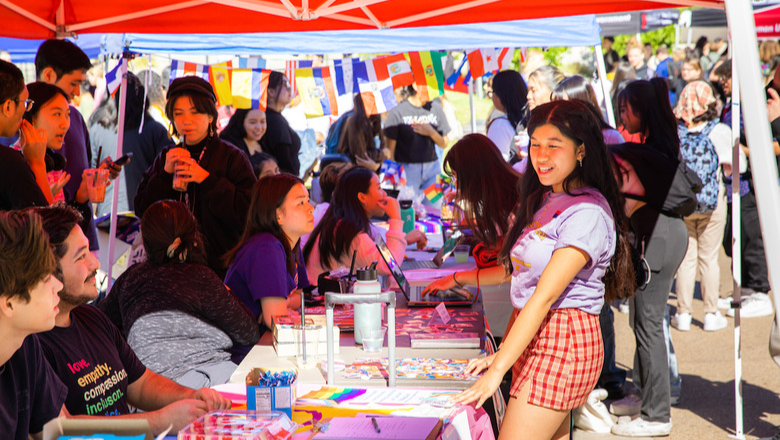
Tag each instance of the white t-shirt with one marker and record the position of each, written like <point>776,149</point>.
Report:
<point>502,133</point>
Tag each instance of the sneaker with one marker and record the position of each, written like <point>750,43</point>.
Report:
<point>627,406</point>
<point>714,322</point>
<point>753,306</point>
<point>682,321</point>
<point>642,428</point>
<point>725,303</point>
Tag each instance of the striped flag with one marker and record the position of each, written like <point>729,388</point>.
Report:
<point>346,82</point>
<point>376,88</point>
<point>114,79</point>
<point>289,70</point>
<point>250,88</point>
<point>219,77</point>
<point>180,69</point>
<point>317,92</point>
<point>400,71</point>
<point>428,73</point>
<point>251,63</point>
<point>484,61</point>
<point>393,173</point>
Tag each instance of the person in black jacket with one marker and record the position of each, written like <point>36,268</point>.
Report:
<point>218,176</point>
<point>647,171</point>
<point>281,141</point>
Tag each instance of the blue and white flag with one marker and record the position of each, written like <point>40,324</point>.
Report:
<point>114,79</point>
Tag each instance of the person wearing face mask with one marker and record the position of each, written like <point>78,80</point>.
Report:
<point>281,141</point>
<point>244,130</point>
<point>218,176</point>
<point>346,227</point>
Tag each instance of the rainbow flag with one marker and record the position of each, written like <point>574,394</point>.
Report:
<point>250,88</point>
<point>434,193</point>
<point>317,91</point>
<point>428,73</point>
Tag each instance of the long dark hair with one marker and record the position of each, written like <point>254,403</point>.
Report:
<point>357,138</point>
<point>649,101</point>
<point>577,123</point>
<point>344,219</point>
<point>234,130</point>
<point>487,185</point>
<point>268,195</point>
<point>163,223</point>
<point>512,91</point>
<point>577,88</point>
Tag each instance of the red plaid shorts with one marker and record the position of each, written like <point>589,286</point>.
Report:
<point>563,360</point>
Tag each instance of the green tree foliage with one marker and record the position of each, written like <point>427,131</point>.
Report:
<point>657,37</point>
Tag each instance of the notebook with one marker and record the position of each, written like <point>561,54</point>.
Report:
<point>454,297</point>
<point>380,427</point>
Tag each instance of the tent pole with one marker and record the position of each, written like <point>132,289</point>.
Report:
<point>736,249</point>
<point>472,91</point>
<point>120,134</point>
<point>603,82</point>
<point>762,158</point>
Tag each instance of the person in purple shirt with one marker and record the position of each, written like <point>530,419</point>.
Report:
<point>567,248</point>
<point>267,271</point>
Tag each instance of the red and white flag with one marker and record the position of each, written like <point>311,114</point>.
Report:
<point>399,70</point>
<point>484,61</point>
<point>181,69</point>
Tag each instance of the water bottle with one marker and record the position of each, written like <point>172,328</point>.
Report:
<point>407,215</point>
<point>367,315</point>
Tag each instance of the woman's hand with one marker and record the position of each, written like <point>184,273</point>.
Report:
<point>482,390</point>
<point>417,237</point>
<point>189,170</point>
<point>366,162</point>
<point>294,299</point>
<point>172,156</point>
<point>391,207</point>
<point>479,365</point>
<point>444,283</point>
<point>424,129</point>
<point>57,186</point>
<point>33,142</point>
<point>112,167</point>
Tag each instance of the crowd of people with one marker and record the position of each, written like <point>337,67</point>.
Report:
<point>578,215</point>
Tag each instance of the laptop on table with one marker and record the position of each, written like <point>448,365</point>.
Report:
<point>441,256</point>
<point>454,297</point>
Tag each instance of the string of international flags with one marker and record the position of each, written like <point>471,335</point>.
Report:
<point>245,84</point>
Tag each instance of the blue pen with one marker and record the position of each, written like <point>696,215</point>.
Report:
<point>376,425</point>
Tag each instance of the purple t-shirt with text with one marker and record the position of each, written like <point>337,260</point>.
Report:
<point>582,220</point>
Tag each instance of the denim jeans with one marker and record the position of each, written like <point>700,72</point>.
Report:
<point>420,176</point>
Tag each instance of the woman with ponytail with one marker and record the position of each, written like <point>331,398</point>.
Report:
<point>174,311</point>
<point>565,253</point>
<point>659,241</point>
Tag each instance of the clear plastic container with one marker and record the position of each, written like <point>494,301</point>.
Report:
<point>240,425</point>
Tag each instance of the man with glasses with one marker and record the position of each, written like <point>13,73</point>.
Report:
<point>19,173</point>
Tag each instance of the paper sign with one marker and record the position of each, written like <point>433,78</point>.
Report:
<point>441,309</point>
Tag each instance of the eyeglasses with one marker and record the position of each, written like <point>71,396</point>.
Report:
<point>28,103</point>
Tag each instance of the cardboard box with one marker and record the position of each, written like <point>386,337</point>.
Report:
<point>106,425</point>
<point>264,398</point>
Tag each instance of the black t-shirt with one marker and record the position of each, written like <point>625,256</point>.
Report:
<point>412,147</point>
<point>30,392</point>
<point>93,360</point>
<point>610,58</point>
<point>19,188</point>
<point>282,142</point>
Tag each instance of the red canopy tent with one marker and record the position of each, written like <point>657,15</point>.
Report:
<point>50,18</point>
